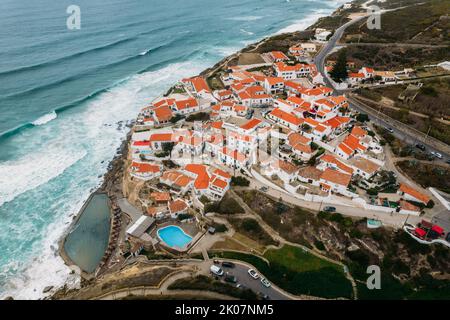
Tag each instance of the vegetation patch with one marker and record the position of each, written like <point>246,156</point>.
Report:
<point>427,175</point>
<point>250,228</point>
<point>226,206</point>
<point>298,272</point>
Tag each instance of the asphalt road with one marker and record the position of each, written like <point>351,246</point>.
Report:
<point>397,131</point>
<point>243,278</point>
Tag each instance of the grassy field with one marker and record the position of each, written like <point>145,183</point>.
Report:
<point>395,251</point>
<point>250,228</point>
<point>427,175</point>
<point>393,57</point>
<point>421,23</point>
<point>298,272</point>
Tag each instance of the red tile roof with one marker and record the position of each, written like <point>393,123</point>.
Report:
<point>414,193</point>
<point>278,113</point>
<point>336,177</point>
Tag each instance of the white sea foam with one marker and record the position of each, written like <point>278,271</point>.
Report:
<point>35,169</point>
<point>246,18</point>
<point>45,119</point>
<point>300,25</point>
<point>94,128</point>
<point>247,32</point>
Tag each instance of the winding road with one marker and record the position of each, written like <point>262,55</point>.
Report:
<point>400,130</point>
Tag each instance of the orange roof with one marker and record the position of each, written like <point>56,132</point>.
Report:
<point>320,128</point>
<point>239,108</point>
<point>177,206</point>
<point>311,122</point>
<point>310,173</point>
<point>278,113</point>
<point>161,137</point>
<point>346,149</point>
<point>358,132</point>
<point>285,166</point>
<point>365,165</point>
<point>176,178</point>
<point>223,93</point>
<point>408,206</point>
<point>250,124</point>
<point>369,70</point>
<point>198,83</point>
<point>183,181</point>
<point>353,143</point>
<point>160,196</point>
<point>305,148</point>
<point>293,85</point>
<point>332,159</point>
<point>337,121</point>
<point>274,80</point>
<point>355,75</point>
<point>202,180</point>
<point>217,124</point>
<point>338,99</point>
<point>414,193</point>
<point>222,173</point>
<point>219,183</point>
<point>163,113</point>
<point>188,103</point>
<point>336,177</point>
<point>191,140</point>
<point>145,167</point>
<point>296,138</point>
<point>293,100</point>
<point>278,55</point>
<point>236,155</point>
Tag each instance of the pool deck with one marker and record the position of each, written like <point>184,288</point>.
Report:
<point>189,228</point>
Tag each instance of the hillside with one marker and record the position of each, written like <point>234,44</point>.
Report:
<point>431,24</point>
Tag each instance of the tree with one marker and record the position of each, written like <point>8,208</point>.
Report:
<point>167,147</point>
<point>339,72</point>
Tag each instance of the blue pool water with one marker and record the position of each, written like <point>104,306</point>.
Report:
<point>174,236</point>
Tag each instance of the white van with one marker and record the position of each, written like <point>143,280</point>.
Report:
<point>216,270</point>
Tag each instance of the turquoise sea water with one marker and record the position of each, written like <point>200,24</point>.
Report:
<point>66,95</point>
<point>88,239</point>
<point>174,236</point>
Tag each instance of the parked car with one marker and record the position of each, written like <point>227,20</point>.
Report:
<point>216,270</point>
<point>390,130</point>
<point>253,274</point>
<point>263,189</point>
<point>448,161</point>
<point>420,146</point>
<point>230,278</point>
<point>329,209</point>
<point>228,264</point>
<point>436,154</point>
<point>265,282</point>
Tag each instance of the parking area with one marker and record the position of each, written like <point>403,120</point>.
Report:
<point>240,272</point>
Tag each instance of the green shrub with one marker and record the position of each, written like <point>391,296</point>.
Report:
<point>240,181</point>
<point>319,245</point>
<point>184,216</point>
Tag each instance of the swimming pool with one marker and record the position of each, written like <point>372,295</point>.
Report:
<point>174,237</point>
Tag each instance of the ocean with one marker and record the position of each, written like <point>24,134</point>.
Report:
<point>66,96</point>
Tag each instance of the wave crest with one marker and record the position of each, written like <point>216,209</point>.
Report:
<point>45,119</point>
